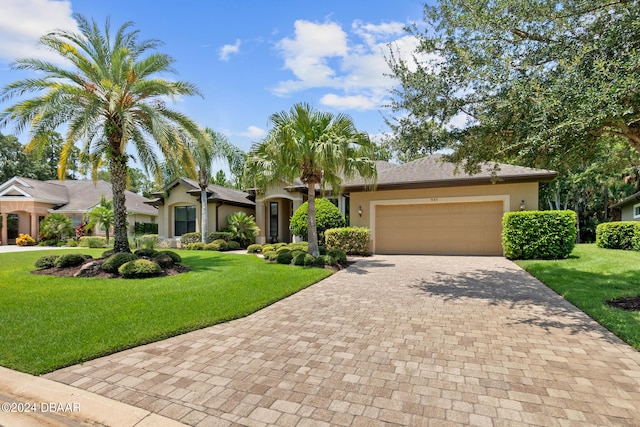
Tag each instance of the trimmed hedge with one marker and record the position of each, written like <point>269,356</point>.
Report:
<point>538,234</point>
<point>216,235</point>
<point>618,235</point>
<point>254,249</point>
<point>350,240</point>
<point>92,242</point>
<point>327,216</point>
<point>69,260</point>
<point>46,261</point>
<point>174,256</point>
<point>139,268</point>
<point>150,253</point>
<point>113,263</point>
<point>188,238</point>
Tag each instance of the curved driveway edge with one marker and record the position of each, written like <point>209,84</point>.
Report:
<point>407,340</point>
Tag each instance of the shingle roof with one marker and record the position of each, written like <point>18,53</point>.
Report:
<point>215,192</point>
<point>432,171</point>
<point>634,198</point>
<point>76,196</point>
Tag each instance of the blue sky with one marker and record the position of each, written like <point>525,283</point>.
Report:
<point>249,58</point>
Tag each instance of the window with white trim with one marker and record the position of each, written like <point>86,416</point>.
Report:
<point>636,211</point>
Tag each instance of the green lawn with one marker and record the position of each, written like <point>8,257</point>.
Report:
<point>50,322</point>
<point>590,277</point>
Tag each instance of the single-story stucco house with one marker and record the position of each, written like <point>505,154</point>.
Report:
<point>420,207</point>
<point>179,208</point>
<point>629,208</point>
<point>24,202</point>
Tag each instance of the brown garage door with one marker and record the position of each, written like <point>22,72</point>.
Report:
<point>439,228</point>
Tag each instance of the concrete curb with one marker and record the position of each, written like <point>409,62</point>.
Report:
<point>77,407</point>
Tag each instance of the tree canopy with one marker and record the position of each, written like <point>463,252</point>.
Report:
<point>543,84</point>
<point>42,165</point>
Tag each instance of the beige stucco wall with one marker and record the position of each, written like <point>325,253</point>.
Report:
<point>514,192</point>
<point>626,213</point>
<point>224,211</point>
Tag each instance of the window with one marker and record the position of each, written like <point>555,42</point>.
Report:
<point>185,220</point>
<point>636,211</point>
<point>12,226</point>
<point>273,220</point>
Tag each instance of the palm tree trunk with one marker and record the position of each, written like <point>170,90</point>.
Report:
<point>118,166</point>
<point>312,231</point>
<point>204,219</point>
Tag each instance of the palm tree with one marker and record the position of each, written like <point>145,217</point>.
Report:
<point>101,215</point>
<point>110,95</point>
<point>318,147</point>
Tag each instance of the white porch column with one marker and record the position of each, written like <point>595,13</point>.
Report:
<point>4,239</point>
<point>261,238</point>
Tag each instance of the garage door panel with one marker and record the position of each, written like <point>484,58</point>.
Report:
<point>441,228</point>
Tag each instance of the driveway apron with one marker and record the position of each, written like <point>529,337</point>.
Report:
<point>406,340</point>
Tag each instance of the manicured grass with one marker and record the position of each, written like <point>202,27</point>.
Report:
<point>589,278</point>
<point>50,322</point>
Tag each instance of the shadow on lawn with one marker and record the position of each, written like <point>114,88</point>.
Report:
<point>528,301</point>
<point>203,261</point>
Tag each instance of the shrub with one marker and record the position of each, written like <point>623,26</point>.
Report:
<point>72,243</point>
<point>25,240</point>
<point>224,235</point>
<point>139,268</point>
<point>69,260</point>
<point>148,241</point>
<point>283,249</point>
<point>617,235</point>
<point>284,257</point>
<point>254,249</point>
<point>268,247</point>
<point>113,263</point>
<point>145,228</point>
<point>187,238</point>
<point>243,228</point>
<point>329,260</point>
<point>309,260</point>
<point>222,243</point>
<point>327,216</point>
<point>322,250</point>
<point>195,246</point>
<point>538,234</point>
<point>107,254</point>
<point>350,240</point>
<point>279,245</point>
<point>213,246</point>
<point>232,245</point>
<point>164,260</point>
<point>46,261</point>
<point>270,256</point>
<point>93,242</point>
<point>339,256</point>
<point>56,226</point>
<point>174,256</point>
<point>299,246</point>
<point>320,260</point>
<point>147,252</point>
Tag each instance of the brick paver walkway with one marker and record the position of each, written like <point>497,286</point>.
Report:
<point>391,340</point>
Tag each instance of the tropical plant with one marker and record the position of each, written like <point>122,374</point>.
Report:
<point>101,216</point>
<point>243,228</point>
<point>318,147</point>
<point>109,96</point>
<point>56,226</point>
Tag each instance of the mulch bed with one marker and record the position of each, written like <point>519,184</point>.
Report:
<point>101,274</point>
<point>627,303</point>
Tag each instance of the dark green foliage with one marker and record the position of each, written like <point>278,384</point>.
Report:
<point>56,226</point>
<point>150,253</point>
<point>111,264</point>
<point>327,216</point>
<point>538,234</point>
<point>93,242</point>
<point>145,228</point>
<point>350,240</point>
<point>232,245</point>
<point>283,249</point>
<point>254,249</point>
<point>309,260</point>
<point>213,246</point>
<point>46,261</point>
<point>618,235</point>
<point>284,257</point>
<point>107,254</point>
<point>164,260</point>
<point>139,268</point>
<point>187,238</point>
<point>69,260</point>
<point>243,228</point>
<point>176,258</point>
<point>195,246</point>
<point>329,260</point>
<point>216,235</point>
<point>298,257</point>
<point>338,255</point>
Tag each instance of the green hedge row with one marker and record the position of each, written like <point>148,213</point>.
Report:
<point>538,234</point>
<point>350,240</point>
<point>618,235</point>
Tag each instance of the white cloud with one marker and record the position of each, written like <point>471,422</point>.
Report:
<point>253,132</point>
<point>229,49</point>
<point>23,22</point>
<point>323,55</point>
<point>357,102</point>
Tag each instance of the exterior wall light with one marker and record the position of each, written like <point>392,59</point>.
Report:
<point>360,210</point>
<point>523,206</point>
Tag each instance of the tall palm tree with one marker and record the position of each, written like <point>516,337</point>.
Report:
<point>318,147</point>
<point>109,95</point>
<point>101,215</point>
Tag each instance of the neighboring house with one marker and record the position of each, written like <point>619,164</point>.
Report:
<point>629,208</point>
<point>179,208</point>
<point>420,207</point>
<point>24,202</point>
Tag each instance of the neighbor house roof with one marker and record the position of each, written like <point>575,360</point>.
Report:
<point>434,171</point>
<point>634,198</point>
<point>71,196</point>
<point>215,193</point>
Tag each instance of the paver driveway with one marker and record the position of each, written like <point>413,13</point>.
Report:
<point>410,340</point>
